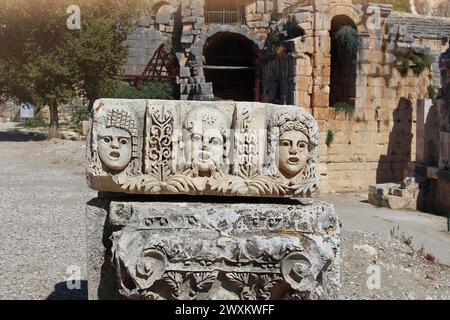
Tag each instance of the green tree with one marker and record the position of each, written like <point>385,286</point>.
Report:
<point>97,51</point>
<point>45,63</point>
<point>33,63</point>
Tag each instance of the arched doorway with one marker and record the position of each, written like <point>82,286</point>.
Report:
<point>231,65</point>
<point>345,43</point>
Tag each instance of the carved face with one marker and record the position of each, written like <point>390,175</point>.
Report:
<point>114,148</point>
<point>205,149</point>
<point>293,153</point>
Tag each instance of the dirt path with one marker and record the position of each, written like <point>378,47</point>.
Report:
<point>43,193</point>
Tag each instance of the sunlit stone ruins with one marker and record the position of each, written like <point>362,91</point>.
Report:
<point>211,196</point>
<point>360,68</point>
<point>170,247</point>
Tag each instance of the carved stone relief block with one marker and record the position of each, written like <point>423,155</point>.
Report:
<point>225,251</point>
<point>214,148</point>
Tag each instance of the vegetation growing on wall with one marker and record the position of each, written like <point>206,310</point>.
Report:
<point>399,5</point>
<point>275,44</point>
<point>330,138</point>
<point>273,39</point>
<point>432,91</point>
<point>344,107</point>
<point>414,61</point>
<point>152,89</point>
<point>347,40</point>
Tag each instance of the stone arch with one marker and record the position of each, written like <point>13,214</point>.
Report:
<point>231,65</point>
<point>352,12</point>
<point>343,69</point>
<point>258,38</point>
<point>162,12</point>
<point>156,5</point>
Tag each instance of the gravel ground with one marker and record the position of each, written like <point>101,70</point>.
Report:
<point>43,232</point>
<point>400,271</point>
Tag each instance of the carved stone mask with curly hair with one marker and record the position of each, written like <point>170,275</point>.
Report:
<point>293,139</point>
<point>293,153</point>
<point>205,139</point>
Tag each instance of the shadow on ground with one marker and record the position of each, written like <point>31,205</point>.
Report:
<point>17,136</point>
<point>62,292</point>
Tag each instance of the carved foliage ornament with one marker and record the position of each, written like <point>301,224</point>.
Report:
<point>169,147</point>
<point>234,251</point>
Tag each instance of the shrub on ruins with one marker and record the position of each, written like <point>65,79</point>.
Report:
<point>151,89</point>
<point>420,63</point>
<point>345,107</point>
<point>432,91</point>
<point>347,40</point>
<point>330,138</point>
<point>416,62</point>
<point>402,65</point>
<point>273,40</point>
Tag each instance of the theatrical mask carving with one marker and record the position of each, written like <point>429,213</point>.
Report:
<point>206,142</point>
<point>199,148</point>
<point>114,148</point>
<point>294,153</point>
<point>197,250</point>
<point>293,142</point>
<point>115,141</point>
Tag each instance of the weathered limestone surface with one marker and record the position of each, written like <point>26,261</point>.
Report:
<point>434,137</point>
<point>177,147</point>
<point>218,250</point>
<point>396,196</point>
<point>198,247</point>
<point>102,278</point>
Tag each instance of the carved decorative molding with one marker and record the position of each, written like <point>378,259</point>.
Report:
<point>231,252</point>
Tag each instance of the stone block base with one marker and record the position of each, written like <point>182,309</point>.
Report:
<point>396,196</point>
<point>222,250</point>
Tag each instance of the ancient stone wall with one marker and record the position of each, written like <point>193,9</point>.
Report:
<point>155,27</point>
<point>376,143</point>
<point>433,155</point>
